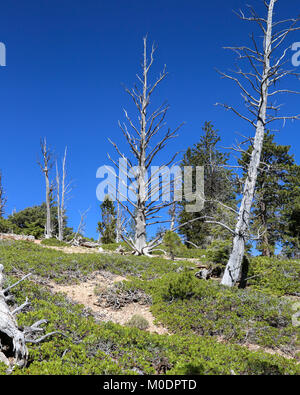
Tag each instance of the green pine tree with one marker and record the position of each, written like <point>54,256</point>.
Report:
<point>218,185</point>
<point>107,227</point>
<point>275,194</point>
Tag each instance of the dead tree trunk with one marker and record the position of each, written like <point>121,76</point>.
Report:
<point>46,166</point>
<point>13,349</point>
<point>142,210</point>
<point>62,189</point>
<point>257,103</point>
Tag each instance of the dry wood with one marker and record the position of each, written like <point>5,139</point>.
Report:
<point>256,88</point>
<point>13,349</point>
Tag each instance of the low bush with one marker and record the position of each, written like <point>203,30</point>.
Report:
<point>69,268</point>
<point>53,242</point>
<point>138,321</point>
<point>187,305</point>
<point>278,276</point>
<point>106,348</point>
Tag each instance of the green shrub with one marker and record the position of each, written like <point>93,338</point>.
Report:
<point>107,348</point>
<point>172,244</point>
<point>68,268</point>
<point>138,321</point>
<point>280,277</point>
<point>219,251</point>
<point>187,305</point>
<point>180,287</point>
<point>53,242</point>
<point>7,226</point>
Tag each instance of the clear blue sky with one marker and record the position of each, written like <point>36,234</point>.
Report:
<point>66,61</point>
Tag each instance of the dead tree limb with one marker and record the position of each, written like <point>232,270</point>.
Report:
<point>257,84</point>
<point>13,340</point>
<point>46,166</point>
<point>139,137</point>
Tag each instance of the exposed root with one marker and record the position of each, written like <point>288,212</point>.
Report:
<point>13,349</point>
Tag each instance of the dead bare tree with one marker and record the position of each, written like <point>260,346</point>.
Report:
<point>258,89</point>
<point>81,228</point>
<point>172,209</point>
<point>46,166</point>
<point>121,223</point>
<point>3,199</point>
<point>13,340</point>
<point>62,191</point>
<point>140,139</point>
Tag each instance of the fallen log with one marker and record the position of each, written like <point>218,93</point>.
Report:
<point>13,349</point>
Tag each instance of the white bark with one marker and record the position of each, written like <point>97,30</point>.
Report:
<point>62,189</point>
<point>13,349</point>
<point>142,209</point>
<point>12,340</point>
<point>258,107</point>
<point>46,167</point>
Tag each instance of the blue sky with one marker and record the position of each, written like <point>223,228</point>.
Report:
<point>67,60</point>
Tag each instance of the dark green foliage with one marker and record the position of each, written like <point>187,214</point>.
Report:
<point>218,185</point>
<point>107,228</point>
<point>218,252</point>
<point>31,221</point>
<point>7,227</point>
<point>280,277</point>
<point>49,263</point>
<point>95,348</point>
<point>277,189</point>
<point>172,244</point>
<point>53,242</point>
<point>186,305</point>
<point>291,244</point>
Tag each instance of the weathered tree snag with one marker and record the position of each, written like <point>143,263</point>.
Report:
<point>13,350</point>
<point>142,208</point>
<point>46,166</point>
<point>63,189</point>
<point>266,72</point>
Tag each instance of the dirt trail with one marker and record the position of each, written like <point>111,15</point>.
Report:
<point>83,293</point>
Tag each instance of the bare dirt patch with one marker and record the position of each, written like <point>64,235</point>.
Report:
<point>83,293</point>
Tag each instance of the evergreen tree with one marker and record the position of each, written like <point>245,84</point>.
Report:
<point>107,228</point>
<point>32,220</point>
<point>172,243</point>
<point>274,195</point>
<point>291,215</point>
<point>218,186</point>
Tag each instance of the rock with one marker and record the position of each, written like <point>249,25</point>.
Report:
<point>100,249</point>
<point>204,274</point>
<point>120,250</point>
<point>11,236</point>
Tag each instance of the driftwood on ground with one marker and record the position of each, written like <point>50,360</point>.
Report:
<point>13,349</point>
